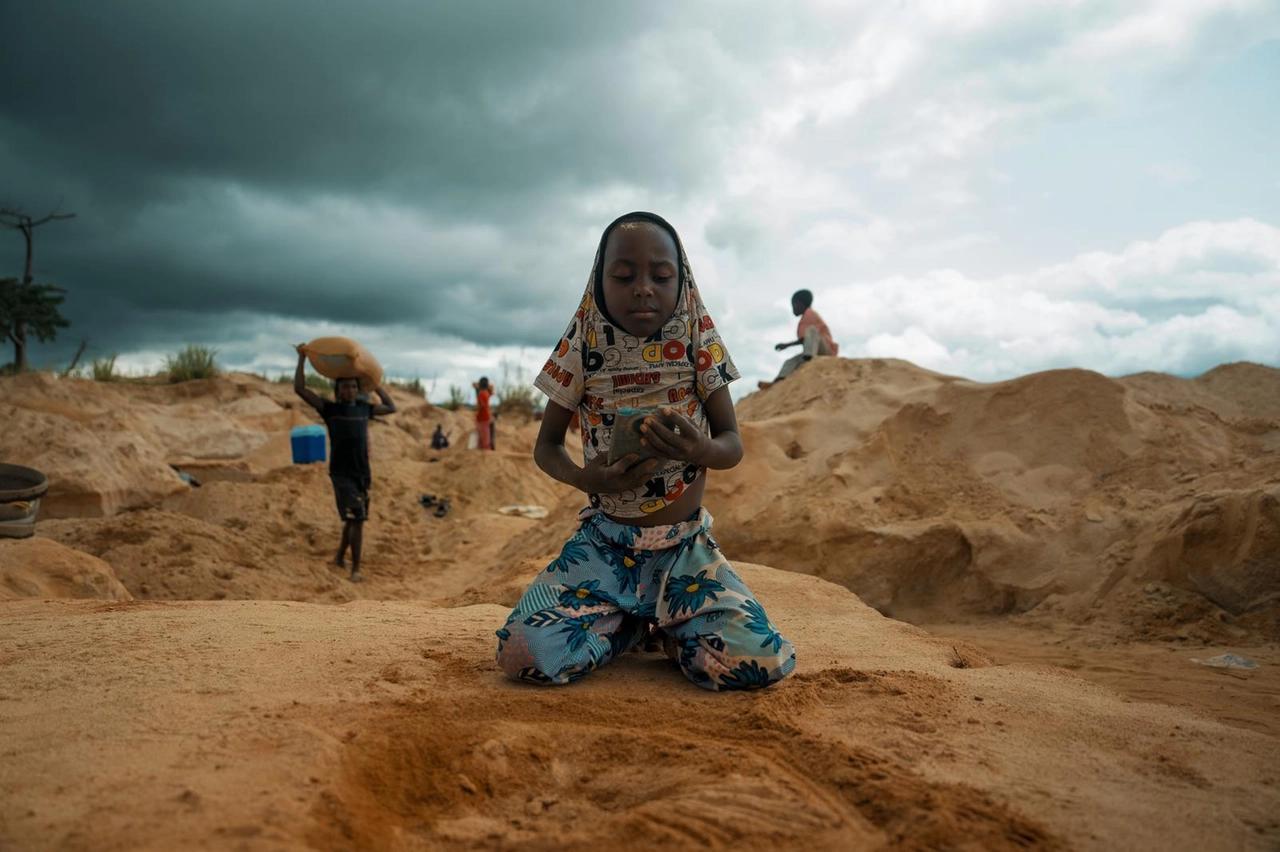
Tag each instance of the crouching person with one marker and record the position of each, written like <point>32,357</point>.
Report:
<point>643,556</point>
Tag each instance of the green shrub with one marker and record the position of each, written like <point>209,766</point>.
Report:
<point>456,398</point>
<point>516,393</point>
<point>194,362</point>
<point>104,369</point>
<point>414,387</point>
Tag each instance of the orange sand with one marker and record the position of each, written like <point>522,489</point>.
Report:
<point>1070,542</point>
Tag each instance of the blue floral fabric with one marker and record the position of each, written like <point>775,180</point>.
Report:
<point>611,581</point>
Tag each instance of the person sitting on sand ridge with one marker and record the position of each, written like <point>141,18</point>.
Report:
<point>811,333</point>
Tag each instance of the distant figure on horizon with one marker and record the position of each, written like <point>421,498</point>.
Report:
<point>439,440</point>
<point>811,333</point>
<point>485,430</point>
<point>347,419</point>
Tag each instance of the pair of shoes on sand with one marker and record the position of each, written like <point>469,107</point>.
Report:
<point>356,576</point>
<point>429,500</point>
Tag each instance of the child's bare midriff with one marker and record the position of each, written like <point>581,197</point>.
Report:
<point>673,513</point>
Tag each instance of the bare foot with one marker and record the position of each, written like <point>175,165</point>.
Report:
<point>357,577</point>
<point>671,647</point>
<point>764,385</point>
<point>339,561</point>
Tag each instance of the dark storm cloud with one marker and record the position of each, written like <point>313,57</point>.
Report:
<point>141,117</point>
<point>401,97</point>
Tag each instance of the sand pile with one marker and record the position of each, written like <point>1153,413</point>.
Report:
<point>108,447</point>
<point>96,465</point>
<point>1065,492</point>
<point>1150,500</point>
<point>39,568</point>
<point>1236,393</point>
<point>270,536</point>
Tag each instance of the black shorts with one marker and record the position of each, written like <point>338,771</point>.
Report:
<point>352,498</point>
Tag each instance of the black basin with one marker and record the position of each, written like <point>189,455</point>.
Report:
<point>21,483</point>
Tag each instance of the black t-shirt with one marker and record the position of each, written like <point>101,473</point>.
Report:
<point>348,439</point>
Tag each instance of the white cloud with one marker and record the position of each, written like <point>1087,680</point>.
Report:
<point>1151,306</point>
<point>920,83</point>
<point>1230,261</point>
<point>911,344</point>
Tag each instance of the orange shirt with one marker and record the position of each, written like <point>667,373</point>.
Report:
<point>810,319</point>
<point>482,405</point>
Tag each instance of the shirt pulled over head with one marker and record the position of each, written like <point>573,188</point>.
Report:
<point>598,368</point>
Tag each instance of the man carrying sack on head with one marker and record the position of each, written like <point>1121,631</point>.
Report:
<point>347,420</point>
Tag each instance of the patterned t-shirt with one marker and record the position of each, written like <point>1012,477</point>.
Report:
<point>598,368</point>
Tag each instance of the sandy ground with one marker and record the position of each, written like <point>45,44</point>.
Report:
<point>183,668</point>
<point>1142,671</point>
<point>263,725</point>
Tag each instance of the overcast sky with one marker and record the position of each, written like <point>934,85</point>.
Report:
<point>985,188</point>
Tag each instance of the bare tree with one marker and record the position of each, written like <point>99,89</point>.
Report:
<point>25,305</point>
<point>71,368</point>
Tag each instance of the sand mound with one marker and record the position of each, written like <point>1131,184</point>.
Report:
<point>385,725</point>
<point>93,470</point>
<point>1222,549</point>
<point>39,568</point>
<point>933,497</point>
<point>1240,392</point>
<point>111,447</point>
<point>272,536</point>
<point>1149,500</point>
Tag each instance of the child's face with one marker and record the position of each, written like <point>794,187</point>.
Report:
<point>640,278</point>
<point>797,307</point>
<point>347,391</point>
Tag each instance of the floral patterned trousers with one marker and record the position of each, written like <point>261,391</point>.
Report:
<point>611,581</point>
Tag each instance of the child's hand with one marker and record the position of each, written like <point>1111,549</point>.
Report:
<point>780,347</point>
<point>680,441</point>
<point>600,477</point>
